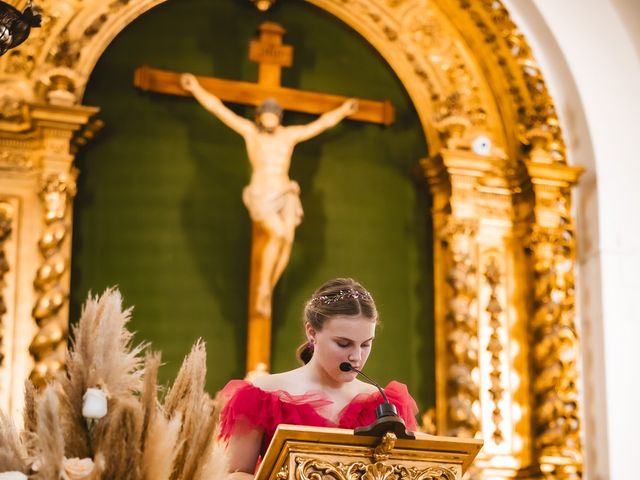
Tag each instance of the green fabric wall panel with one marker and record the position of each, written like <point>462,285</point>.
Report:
<point>159,209</point>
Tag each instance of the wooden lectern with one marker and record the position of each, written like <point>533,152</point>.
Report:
<point>314,453</point>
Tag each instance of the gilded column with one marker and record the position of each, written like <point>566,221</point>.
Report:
<point>482,208</point>
<point>493,274</point>
<point>6,221</point>
<point>38,183</point>
<point>51,282</point>
<point>460,329</point>
<point>555,353</point>
<point>57,126</point>
<point>19,211</point>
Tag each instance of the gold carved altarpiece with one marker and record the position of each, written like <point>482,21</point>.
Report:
<point>507,350</point>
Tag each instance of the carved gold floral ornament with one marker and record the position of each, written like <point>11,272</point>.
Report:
<point>308,468</point>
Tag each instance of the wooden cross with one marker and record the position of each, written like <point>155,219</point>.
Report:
<point>271,55</point>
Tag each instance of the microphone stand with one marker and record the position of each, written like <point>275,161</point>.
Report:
<point>387,418</point>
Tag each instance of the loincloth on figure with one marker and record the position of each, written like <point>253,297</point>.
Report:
<point>262,205</point>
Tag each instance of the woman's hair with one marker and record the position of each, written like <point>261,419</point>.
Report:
<point>337,297</point>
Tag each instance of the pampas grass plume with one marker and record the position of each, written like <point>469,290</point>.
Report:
<point>188,397</point>
<point>161,448</point>
<point>50,440</point>
<point>116,438</point>
<point>12,453</point>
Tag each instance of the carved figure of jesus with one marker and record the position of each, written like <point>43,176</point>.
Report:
<point>272,198</point>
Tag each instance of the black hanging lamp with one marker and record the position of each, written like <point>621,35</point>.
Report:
<point>15,26</point>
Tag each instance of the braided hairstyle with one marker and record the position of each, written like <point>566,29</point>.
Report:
<point>337,297</point>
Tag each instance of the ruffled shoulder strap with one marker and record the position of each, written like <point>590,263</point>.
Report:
<point>239,399</point>
<point>407,408</point>
<point>361,410</point>
<point>247,407</point>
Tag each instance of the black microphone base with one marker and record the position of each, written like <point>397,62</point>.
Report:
<point>382,425</point>
<point>386,410</point>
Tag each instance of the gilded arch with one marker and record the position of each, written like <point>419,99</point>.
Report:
<point>498,176</point>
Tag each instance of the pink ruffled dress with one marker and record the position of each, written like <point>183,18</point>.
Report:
<point>248,407</point>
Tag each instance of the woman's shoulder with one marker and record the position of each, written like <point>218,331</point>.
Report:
<point>274,382</point>
<point>398,387</point>
<point>292,383</point>
<point>269,383</point>
<point>364,388</point>
<point>396,392</point>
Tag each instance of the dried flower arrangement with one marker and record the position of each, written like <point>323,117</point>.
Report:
<point>102,419</point>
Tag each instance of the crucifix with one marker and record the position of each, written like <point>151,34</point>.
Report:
<point>272,198</point>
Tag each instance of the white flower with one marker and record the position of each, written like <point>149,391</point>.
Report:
<point>13,476</point>
<point>77,469</point>
<point>94,403</point>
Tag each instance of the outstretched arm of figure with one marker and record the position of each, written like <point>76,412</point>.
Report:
<point>326,120</point>
<point>212,103</point>
<point>242,454</point>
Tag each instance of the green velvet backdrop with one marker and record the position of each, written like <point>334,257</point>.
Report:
<point>159,209</point>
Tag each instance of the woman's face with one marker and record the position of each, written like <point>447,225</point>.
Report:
<point>342,339</point>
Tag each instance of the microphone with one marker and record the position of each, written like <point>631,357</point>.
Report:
<point>387,418</point>
<point>386,409</point>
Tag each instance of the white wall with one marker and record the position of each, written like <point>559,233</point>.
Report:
<point>588,50</point>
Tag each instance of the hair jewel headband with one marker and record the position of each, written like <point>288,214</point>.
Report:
<point>341,295</point>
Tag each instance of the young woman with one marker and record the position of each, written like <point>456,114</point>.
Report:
<point>340,325</point>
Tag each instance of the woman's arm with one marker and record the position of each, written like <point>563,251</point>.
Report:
<point>240,476</point>
<point>212,103</point>
<point>242,453</point>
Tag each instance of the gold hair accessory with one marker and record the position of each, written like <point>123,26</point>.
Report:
<point>341,295</point>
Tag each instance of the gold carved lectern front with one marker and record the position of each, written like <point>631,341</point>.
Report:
<point>309,453</point>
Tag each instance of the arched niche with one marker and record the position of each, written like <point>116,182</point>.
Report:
<point>504,247</point>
